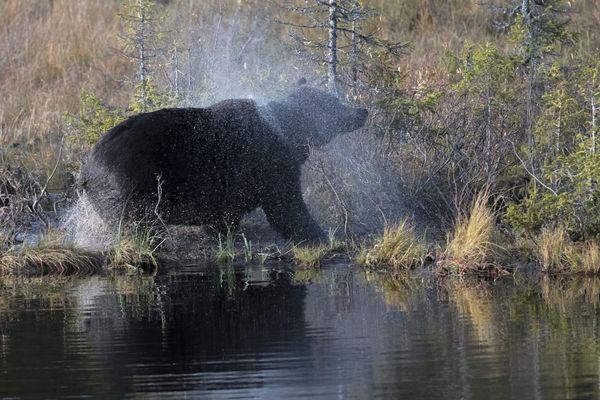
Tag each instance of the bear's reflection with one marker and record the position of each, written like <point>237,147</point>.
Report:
<point>190,322</point>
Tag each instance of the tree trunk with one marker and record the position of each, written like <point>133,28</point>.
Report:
<point>593,101</point>
<point>332,46</point>
<point>143,68</point>
<point>527,17</point>
<point>176,72</point>
<point>354,54</point>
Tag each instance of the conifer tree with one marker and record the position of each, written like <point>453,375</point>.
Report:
<point>332,33</point>
<point>538,29</point>
<point>143,43</point>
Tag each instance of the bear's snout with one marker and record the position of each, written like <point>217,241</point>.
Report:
<point>359,118</point>
<point>362,115</point>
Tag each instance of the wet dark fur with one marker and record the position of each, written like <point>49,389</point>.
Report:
<point>215,164</point>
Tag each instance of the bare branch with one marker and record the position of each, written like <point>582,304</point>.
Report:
<point>524,165</point>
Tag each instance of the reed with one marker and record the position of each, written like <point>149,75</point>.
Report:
<point>226,248</point>
<point>135,249</point>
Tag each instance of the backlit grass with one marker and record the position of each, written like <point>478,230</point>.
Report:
<point>50,256</point>
<point>226,252</point>
<point>135,249</point>
<point>310,256</point>
<point>557,254</point>
<point>554,250</point>
<point>398,248</point>
<point>472,246</point>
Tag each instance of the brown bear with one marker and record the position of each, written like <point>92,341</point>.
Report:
<point>210,166</point>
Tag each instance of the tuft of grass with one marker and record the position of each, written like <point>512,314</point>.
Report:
<point>590,258</point>
<point>556,254</point>
<point>310,256</point>
<point>472,247</point>
<point>333,242</point>
<point>472,237</point>
<point>554,250</point>
<point>50,256</point>
<point>248,255</point>
<point>398,248</point>
<point>135,250</point>
<point>226,248</point>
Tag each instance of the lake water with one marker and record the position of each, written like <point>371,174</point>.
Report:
<point>271,333</point>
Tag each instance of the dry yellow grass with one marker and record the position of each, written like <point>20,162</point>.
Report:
<point>590,258</point>
<point>472,236</point>
<point>50,52</point>
<point>472,248</point>
<point>398,248</point>
<point>554,249</point>
<point>557,254</point>
<point>49,257</point>
<point>53,256</point>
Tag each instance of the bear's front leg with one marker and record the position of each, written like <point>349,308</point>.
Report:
<point>287,213</point>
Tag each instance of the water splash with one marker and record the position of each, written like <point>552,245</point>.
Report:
<point>85,228</point>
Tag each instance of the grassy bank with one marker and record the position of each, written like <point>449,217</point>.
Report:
<point>475,247</point>
<point>52,254</point>
<point>478,252</point>
<point>49,257</point>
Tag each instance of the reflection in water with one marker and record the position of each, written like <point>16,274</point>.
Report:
<point>257,333</point>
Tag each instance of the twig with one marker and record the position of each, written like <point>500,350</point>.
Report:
<point>159,183</point>
<point>531,173</point>
<point>35,205</point>
<point>341,202</point>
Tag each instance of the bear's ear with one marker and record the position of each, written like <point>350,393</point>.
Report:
<point>301,81</point>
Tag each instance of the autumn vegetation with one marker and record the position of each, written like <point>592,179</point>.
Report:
<point>483,123</point>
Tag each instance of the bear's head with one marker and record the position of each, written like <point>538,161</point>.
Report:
<point>311,117</point>
<point>325,114</point>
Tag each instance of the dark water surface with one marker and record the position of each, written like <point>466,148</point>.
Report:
<point>260,333</point>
